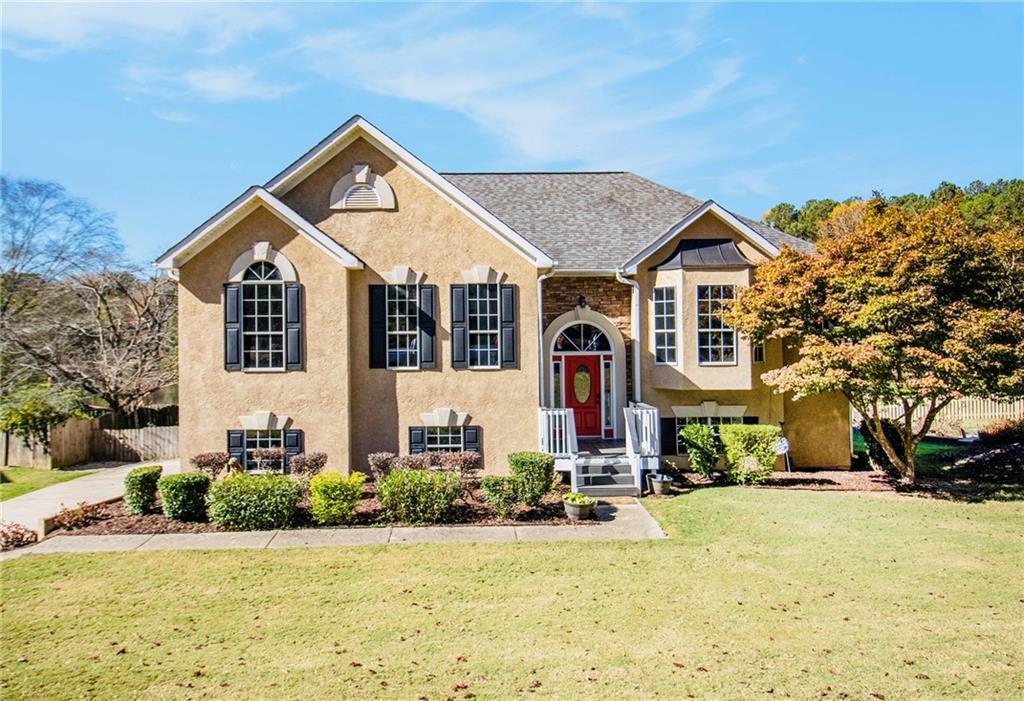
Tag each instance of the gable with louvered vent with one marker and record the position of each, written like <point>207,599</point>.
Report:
<point>361,197</point>
<point>362,189</point>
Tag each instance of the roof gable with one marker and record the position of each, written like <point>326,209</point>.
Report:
<point>208,232</point>
<point>357,127</point>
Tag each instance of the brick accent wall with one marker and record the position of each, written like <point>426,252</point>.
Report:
<point>605,295</point>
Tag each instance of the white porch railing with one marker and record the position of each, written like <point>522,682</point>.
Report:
<point>643,440</point>
<point>557,431</point>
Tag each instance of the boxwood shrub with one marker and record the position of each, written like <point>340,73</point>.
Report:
<point>333,497</point>
<point>419,496</point>
<point>501,493</point>
<point>247,502</point>
<point>184,496</point>
<point>535,473</point>
<point>749,451</point>
<point>140,489</point>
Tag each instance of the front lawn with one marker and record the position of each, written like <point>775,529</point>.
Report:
<point>756,594</point>
<point>21,480</point>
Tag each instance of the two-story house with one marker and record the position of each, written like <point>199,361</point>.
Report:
<point>359,302</point>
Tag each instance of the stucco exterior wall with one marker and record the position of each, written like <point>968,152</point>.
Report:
<point>428,234</point>
<point>211,398</point>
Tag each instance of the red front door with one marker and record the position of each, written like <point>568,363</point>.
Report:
<point>583,392</point>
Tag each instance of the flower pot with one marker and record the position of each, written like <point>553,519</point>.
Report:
<point>578,512</point>
<point>659,483</point>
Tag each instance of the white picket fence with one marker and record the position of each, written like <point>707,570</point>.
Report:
<point>970,412</point>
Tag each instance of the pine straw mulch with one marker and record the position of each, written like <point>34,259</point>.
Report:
<point>110,519</point>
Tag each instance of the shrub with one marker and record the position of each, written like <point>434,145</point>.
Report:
<point>501,493</point>
<point>333,497</point>
<point>140,489</point>
<point>417,461</point>
<point>380,465</point>
<point>749,451</point>
<point>535,473</point>
<point>1003,432</point>
<point>29,412</point>
<point>211,464</point>
<point>268,459</point>
<point>579,499</point>
<point>72,517</point>
<point>307,464</point>
<point>466,463</point>
<point>253,502</point>
<point>184,496</point>
<point>702,446</point>
<point>15,535</point>
<point>876,456</point>
<point>419,496</point>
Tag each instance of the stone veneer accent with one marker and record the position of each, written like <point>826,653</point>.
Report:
<point>605,295</point>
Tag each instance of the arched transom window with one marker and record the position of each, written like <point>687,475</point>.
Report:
<point>262,317</point>
<point>582,337</point>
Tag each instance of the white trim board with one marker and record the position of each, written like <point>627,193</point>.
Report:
<point>757,240</point>
<point>243,205</point>
<point>357,127</point>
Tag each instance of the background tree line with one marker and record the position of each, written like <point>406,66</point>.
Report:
<point>982,205</point>
<point>80,324</point>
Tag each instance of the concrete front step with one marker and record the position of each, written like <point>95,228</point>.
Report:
<point>605,479</point>
<point>612,490</point>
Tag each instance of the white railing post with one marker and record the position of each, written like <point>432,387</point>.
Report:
<point>643,440</point>
<point>557,429</point>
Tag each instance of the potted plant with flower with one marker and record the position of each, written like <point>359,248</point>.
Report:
<point>578,506</point>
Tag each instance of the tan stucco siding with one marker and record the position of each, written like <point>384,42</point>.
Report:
<point>316,398</point>
<point>427,233</point>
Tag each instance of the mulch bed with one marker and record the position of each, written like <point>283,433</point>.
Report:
<point>110,519</point>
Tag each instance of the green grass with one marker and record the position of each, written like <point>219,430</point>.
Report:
<point>22,480</point>
<point>757,594</point>
<point>933,457</point>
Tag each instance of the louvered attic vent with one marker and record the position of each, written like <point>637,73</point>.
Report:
<point>361,196</point>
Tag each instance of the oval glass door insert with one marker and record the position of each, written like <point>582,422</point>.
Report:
<point>581,384</point>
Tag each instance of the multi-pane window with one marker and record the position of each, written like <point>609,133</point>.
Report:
<point>665,325</point>
<point>716,341</point>
<point>484,326</point>
<point>709,420</point>
<point>256,442</point>
<point>403,326</point>
<point>262,318</point>
<point>444,439</point>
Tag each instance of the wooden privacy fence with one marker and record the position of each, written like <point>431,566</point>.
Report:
<point>968,412</point>
<point>83,440</point>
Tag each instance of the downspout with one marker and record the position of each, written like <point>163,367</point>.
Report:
<point>540,334</point>
<point>634,330</point>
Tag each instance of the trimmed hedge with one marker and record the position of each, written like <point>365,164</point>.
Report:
<point>535,473</point>
<point>247,502</point>
<point>140,489</point>
<point>419,496</point>
<point>333,497</point>
<point>749,451</point>
<point>501,493</point>
<point>184,496</point>
<point>1003,432</point>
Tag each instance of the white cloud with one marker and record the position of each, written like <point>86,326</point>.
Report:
<point>38,29</point>
<point>173,116</point>
<point>213,84</point>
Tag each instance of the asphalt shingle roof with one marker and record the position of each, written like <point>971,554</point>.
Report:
<point>588,221</point>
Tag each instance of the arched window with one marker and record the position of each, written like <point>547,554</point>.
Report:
<point>263,325</point>
<point>582,337</point>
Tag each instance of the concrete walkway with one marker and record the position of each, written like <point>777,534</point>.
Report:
<point>106,483</point>
<point>625,520</point>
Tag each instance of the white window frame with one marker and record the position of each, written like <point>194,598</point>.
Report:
<point>413,335</point>
<point>472,295</point>
<point>724,329</point>
<point>263,438</point>
<point>669,332</point>
<point>446,439</point>
<point>253,287</point>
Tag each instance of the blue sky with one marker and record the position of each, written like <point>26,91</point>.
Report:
<point>163,113</point>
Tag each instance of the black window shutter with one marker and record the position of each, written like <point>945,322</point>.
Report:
<point>669,436</point>
<point>233,326</point>
<point>378,326</point>
<point>750,419</point>
<point>428,326</point>
<point>471,438</point>
<point>460,330</point>
<point>292,445</point>
<point>236,446</point>
<point>293,325</point>
<point>417,439</point>
<point>508,314</point>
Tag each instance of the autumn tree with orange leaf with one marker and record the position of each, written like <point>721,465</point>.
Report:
<point>895,307</point>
